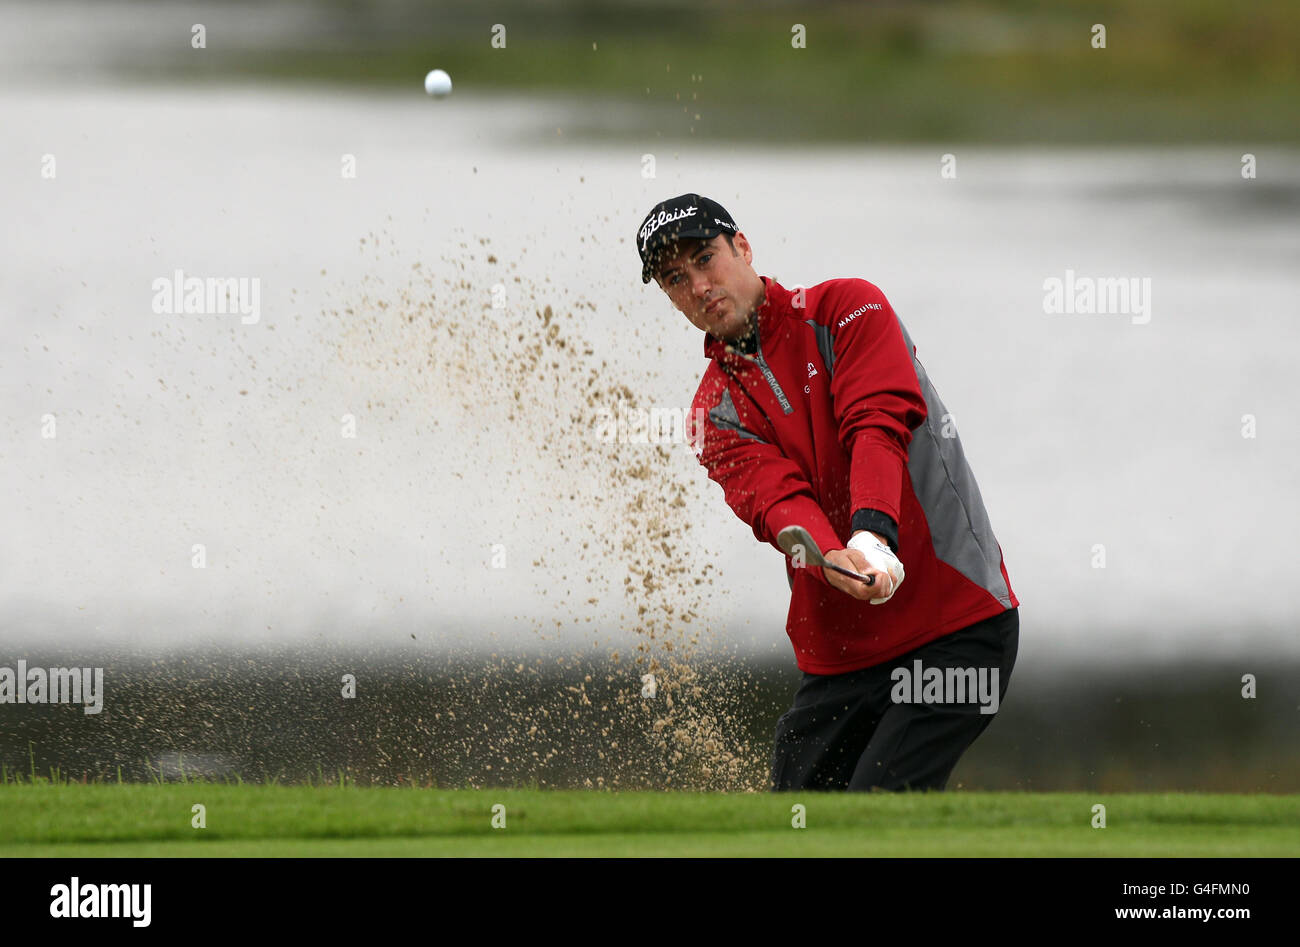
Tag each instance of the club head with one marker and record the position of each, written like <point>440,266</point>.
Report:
<point>792,538</point>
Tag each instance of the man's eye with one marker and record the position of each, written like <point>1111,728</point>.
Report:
<point>705,257</point>
<point>672,280</point>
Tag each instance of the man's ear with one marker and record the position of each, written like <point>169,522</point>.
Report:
<point>743,247</point>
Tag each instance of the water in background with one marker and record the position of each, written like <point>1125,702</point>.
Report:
<point>176,430</point>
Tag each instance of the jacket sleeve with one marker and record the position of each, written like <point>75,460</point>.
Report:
<point>875,395</point>
<point>762,486</point>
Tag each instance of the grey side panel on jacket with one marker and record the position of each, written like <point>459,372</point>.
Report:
<point>943,483</point>
<point>725,416</point>
<point>825,345</point>
<point>945,486</point>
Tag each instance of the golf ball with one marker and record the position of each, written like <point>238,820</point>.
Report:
<point>437,83</point>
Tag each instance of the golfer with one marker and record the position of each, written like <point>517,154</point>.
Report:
<point>815,412</point>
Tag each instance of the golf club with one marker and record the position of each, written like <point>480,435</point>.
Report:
<point>794,536</point>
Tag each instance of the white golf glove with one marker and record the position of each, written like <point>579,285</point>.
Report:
<point>881,558</point>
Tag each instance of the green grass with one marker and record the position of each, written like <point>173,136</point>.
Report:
<point>61,819</point>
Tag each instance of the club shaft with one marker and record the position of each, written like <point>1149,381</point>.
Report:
<point>869,579</point>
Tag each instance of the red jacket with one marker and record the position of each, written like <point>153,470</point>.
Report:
<point>831,415</point>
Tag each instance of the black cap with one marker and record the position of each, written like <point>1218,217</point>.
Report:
<point>688,215</point>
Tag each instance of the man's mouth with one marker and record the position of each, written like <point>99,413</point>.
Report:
<point>713,305</point>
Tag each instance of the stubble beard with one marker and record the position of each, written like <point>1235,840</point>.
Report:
<point>751,319</point>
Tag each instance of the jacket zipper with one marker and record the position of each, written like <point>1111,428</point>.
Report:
<point>771,378</point>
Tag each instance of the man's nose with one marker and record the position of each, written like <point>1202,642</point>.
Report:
<point>700,285</point>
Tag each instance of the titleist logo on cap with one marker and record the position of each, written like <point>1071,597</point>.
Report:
<point>663,217</point>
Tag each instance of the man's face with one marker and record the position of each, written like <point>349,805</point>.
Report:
<point>713,285</point>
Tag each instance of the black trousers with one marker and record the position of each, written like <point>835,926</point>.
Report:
<point>852,731</point>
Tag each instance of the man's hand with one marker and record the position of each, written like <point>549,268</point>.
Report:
<point>854,559</point>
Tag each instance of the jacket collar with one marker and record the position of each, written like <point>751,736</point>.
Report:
<point>775,305</point>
